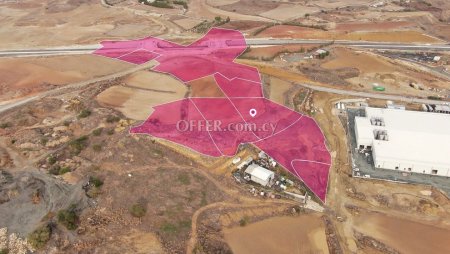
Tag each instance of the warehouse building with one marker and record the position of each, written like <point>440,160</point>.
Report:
<point>260,175</point>
<point>411,141</point>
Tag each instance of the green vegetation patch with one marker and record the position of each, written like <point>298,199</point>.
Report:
<point>97,182</point>
<point>97,132</point>
<point>39,237</point>
<point>5,125</point>
<point>84,113</point>
<point>68,217</point>
<point>138,210</point>
<point>78,144</point>
<point>182,3</point>
<point>184,178</point>
<point>112,119</point>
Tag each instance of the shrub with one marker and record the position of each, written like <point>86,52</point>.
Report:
<point>431,97</point>
<point>77,145</point>
<point>84,113</point>
<point>55,170</point>
<point>169,228</point>
<point>97,132</point>
<point>183,3</point>
<point>64,170</point>
<point>244,221</point>
<point>44,141</point>
<point>185,224</point>
<point>184,178</point>
<point>95,181</point>
<point>51,159</point>
<point>112,119</point>
<point>39,237</point>
<point>4,251</point>
<point>66,123</point>
<point>97,147</point>
<point>138,210</point>
<point>68,217</point>
<point>5,125</point>
<point>93,192</point>
<point>110,131</point>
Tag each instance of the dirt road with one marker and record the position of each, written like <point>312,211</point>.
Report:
<point>12,104</point>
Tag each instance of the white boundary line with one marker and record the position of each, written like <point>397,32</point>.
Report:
<point>260,82</point>
<point>204,118</point>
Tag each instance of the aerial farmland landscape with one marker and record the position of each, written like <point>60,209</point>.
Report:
<point>225,126</point>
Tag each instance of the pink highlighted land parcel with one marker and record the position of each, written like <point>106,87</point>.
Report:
<point>217,126</point>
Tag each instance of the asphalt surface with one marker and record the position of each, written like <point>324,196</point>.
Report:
<point>87,49</point>
<point>378,95</point>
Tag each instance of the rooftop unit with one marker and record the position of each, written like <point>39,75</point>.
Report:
<point>377,121</point>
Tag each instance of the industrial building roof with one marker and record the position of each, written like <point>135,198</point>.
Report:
<point>413,136</point>
<point>259,172</point>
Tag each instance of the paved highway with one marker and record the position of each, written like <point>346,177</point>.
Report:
<point>87,49</point>
<point>379,95</point>
<point>360,44</point>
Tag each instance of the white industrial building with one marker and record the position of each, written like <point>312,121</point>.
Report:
<point>260,175</point>
<point>411,141</point>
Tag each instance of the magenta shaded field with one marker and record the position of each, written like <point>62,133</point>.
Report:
<point>213,53</point>
<point>301,149</point>
<point>293,140</point>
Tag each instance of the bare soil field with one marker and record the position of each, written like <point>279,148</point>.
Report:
<point>141,92</point>
<point>301,234</point>
<point>376,69</point>
<point>187,23</point>
<point>278,90</point>
<point>270,52</point>
<point>244,26</point>
<point>22,77</point>
<point>46,23</point>
<point>287,31</point>
<point>216,3</point>
<point>348,58</point>
<point>205,87</point>
<point>404,235</point>
<point>249,7</point>
<point>374,26</point>
<point>289,11</point>
<point>390,36</point>
<point>201,9</point>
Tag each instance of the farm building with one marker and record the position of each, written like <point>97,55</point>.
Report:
<point>260,175</point>
<point>411,141</point>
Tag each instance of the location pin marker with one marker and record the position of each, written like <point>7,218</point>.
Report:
<point>252,112</point>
